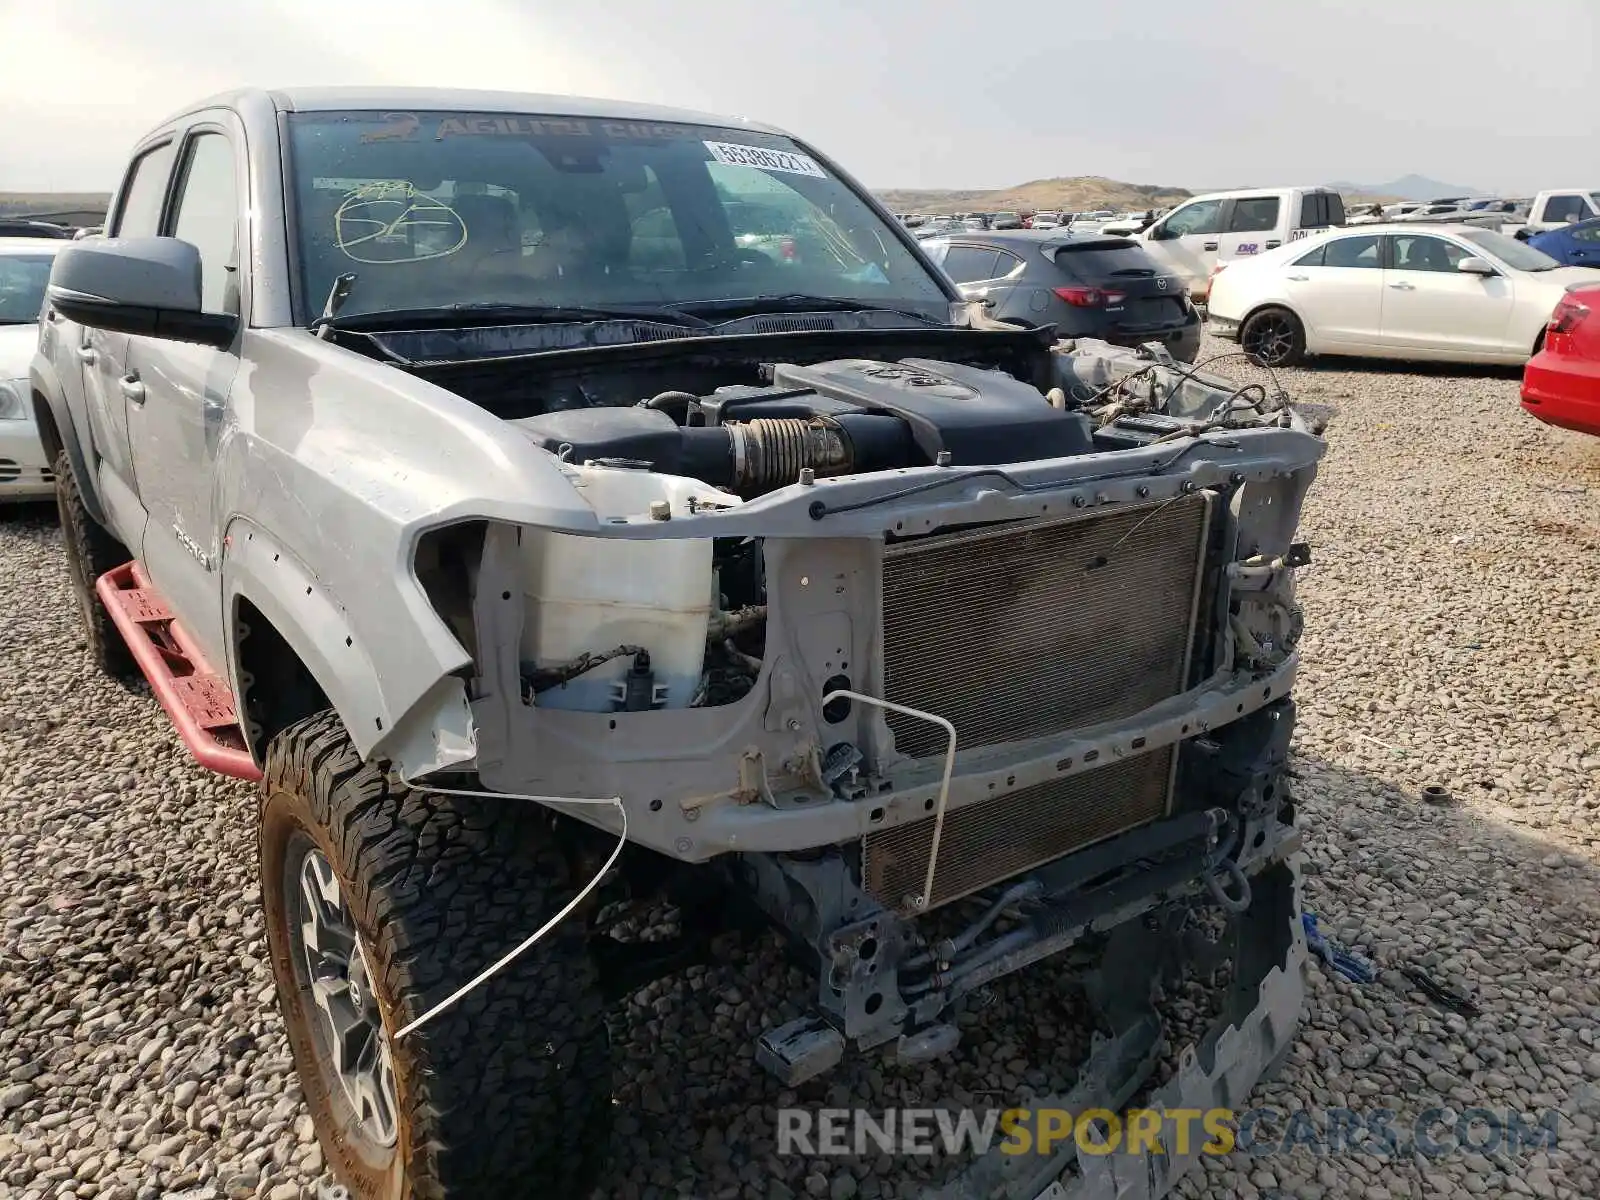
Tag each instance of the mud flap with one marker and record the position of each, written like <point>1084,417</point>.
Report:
<point>1260,1016</point>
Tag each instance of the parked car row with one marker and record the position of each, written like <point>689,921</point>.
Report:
<point>1086,285</point>
<point>1449,292</point>
<point>24,274</point>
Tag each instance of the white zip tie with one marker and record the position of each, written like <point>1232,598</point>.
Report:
<point>489,972</point>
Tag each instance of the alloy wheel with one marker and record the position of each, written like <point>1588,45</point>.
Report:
<point>332,967</point>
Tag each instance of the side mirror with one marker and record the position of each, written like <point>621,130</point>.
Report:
<point>147,285</point>
<point>1476,266</point>
<point>1159,233</point>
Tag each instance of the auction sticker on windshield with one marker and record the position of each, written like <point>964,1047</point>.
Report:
<point>768,160</point>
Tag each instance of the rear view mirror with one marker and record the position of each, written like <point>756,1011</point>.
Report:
<point>147,285</point>
<point>1476,266</point>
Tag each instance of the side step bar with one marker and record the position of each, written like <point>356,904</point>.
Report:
<point>197,699</point>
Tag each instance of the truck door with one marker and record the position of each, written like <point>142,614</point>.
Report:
<point>1185,242</point>
<point>177,392</point>
<point>103,355</point>
<point>1251,225</point>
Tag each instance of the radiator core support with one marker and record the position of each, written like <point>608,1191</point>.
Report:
<point>1027,630</point>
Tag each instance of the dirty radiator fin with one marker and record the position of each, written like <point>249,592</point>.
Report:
<point>1037,628</point>
<point>995,839</point>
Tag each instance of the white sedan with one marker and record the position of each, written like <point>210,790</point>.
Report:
<point>24,271</point>
<point>1448,292</point>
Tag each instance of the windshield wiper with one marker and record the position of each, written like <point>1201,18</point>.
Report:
<point>798,302</point>
<point>476,313</point>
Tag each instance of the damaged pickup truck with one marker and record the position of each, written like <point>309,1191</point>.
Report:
<point>562,505</point>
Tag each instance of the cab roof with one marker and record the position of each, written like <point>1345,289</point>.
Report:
<point>325,99</point>
<point>1250,193</point>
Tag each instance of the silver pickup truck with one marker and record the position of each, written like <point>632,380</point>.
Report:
<point>564,506</point>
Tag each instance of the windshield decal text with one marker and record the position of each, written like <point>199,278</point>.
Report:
<point>787,161</point>
<point>526,127</point>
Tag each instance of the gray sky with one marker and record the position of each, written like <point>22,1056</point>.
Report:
<point>905,93</point>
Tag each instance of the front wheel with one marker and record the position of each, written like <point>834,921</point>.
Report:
<point>1273,337</point>
<point>380,901</point>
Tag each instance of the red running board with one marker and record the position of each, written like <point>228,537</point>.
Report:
<point>197,699</point>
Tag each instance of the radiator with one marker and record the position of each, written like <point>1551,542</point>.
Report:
<point>1032,629</point>
<point>995,839</point>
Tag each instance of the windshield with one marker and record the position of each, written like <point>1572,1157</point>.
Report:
<point>431,209</point>
<point>1515,254</point>
<point>22,282</point>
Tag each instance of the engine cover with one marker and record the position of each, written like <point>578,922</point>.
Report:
<point>983,418</point>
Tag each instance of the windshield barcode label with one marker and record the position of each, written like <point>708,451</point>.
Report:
<point>767,160</point>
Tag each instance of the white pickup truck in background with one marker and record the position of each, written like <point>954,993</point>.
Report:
<point>1558,207</point>
<point>1204,230</point>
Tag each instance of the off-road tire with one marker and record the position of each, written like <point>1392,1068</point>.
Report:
<point>1286,348</point>
<point>91,552</point>
<point>506,1094</point>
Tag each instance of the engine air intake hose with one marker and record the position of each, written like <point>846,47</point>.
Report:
<point>770,452</point>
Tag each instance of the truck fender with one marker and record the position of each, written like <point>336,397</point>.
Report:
<point>433,733</point>
<point>60,429</point>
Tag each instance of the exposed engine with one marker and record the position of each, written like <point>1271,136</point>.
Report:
<point>682,622</point>
<point>832,418</point>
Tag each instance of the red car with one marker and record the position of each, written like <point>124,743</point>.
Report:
<point>1561,385</point>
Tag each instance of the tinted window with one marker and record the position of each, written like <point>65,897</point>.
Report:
<point>140,213</point>
<point>1352,252</point>
<point>206,215</point>
<point>435,208</point>
<point>1101,260</point>
<point>22,282</point>
<point>965,264</point>
<point>1201,217</point>
<point>1590,233</point>
<point>1314,259</point>
<point>1413,253</point>
<point>1565,208</point>
<point>1318,210</point>
<point>1256,215</point>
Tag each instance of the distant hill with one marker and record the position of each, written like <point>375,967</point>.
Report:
<point>73,208</point>
<point>1075,194</point>
<point>1408,187</point>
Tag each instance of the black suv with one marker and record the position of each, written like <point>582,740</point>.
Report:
<point>1086,285</point>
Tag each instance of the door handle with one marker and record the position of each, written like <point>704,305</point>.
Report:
<point>88,354</point>
<point>132,389</point>
<point>1298,278</point>
<point>1211,245</point>
<point>1404,287</point>
<point>1274,244</point>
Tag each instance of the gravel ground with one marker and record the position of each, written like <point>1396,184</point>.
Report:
<point>1453,637</point>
